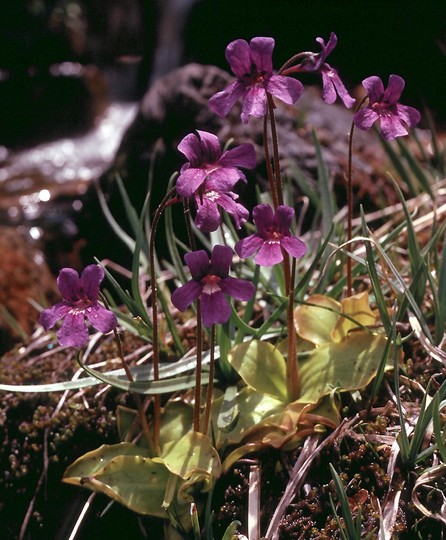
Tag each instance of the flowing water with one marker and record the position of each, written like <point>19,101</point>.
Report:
<point>39,184</point>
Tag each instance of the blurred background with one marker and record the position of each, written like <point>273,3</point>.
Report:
<point>46,47</point>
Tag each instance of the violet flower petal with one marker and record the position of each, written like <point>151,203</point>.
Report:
<point>189,181</point>
<point>240,289</point>
<point>295,247</point>
<point>221,259</point>
<point>215,309</point>
<point>210,147</point>
<point>73,332</point>
<point>269,254</point>
<point>90,280</point>
<point>186,294</point>
<point>190,147</point>
<point>49,317</point>
<point>69,284</point>
<point>238,55</point>
<point>261,53</point>
<point>374,88</point>
<point>254,103</point>
<point>198,263</point>
<point>263,217</point>
<point>365,118</point>
<point>102,319</point>
<point>327,48</point>
<point>409,115</point>
<point>222,102</point>
<point>394,89</point>
<point>391,126</point>
<point>283,217</point>
<point>328,90</point>
<point>224,179</point>
<point>332,85</point>
<point>208,216</point>
<point>237,210</point>
<point>248,246</point>
<point>243,155</point>
<point>285,88</point>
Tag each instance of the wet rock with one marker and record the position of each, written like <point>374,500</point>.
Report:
<point>24,277</point>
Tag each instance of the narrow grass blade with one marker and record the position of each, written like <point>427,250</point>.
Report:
<point>172,244</point>
<point>401,287</point>
<point>413,248</point>
<point>440,319</point>
<point>130,211</point>
<point>436,406</point>
<point>117,229</point>
<point>304,186</point>
<point>423,179</point>
<point>326,191</point>
<point>405,176</point>
<point>126,299</point>
<point>9,318</point>
<point>230,532</point>
<point>345,507</point>
<point>439,158</point>
<point>163,386</point>
<point>374,279</point>
<point>245,327</point>
<point>302,285</point>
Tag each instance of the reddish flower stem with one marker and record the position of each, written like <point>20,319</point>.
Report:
<point>288,65</point>
<point>292,375</point>
<point>199,331</point>
<point>155,345</point>
<point>269,167</point>
<point>197,390</point>
<point>207,411</point>
<point>293,386</point>
<point>350,202</point>
<point>276,161</point>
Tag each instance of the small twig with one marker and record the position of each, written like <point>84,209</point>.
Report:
<point>254,502</point>
<point>81,517</point>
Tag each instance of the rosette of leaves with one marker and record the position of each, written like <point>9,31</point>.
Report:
<point>341,348</point>
<point>161,486</point>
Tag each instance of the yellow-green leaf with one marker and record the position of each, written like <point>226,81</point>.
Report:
<point>92,462</point>
<point>261,366</point>
<point>316,322</point>
<point>176,421</point>
<point>348,365</point>
<point>357,307</point>
<point>253,407</point>
<point>120,473</point>
<point>193,452</point>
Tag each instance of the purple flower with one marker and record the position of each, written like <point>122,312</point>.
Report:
<point>208,201</point>
<point>80,300</point>
<point>252,64</point>
<point>206,161</point>
<point>209,177</point>
<point>273,235</point>
<point>383,105</point>
<point>331,82</point>
<point>210,282</point>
